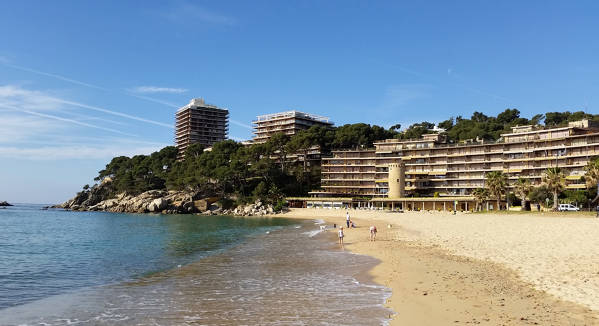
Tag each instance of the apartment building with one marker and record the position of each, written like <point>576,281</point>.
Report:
<point>418,173</point>
<point>289,122</point>
<point>198,122</point>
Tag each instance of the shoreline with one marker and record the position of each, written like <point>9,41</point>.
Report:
<point>434,283</point>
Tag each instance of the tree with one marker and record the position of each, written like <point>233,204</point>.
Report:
<point>523,188</point>
<point>302,143</point>
<point>447,124</point>
<point>395,127</point>
<point>481,195</point>
<point>555,181</point>
<point>277,146</point>
<point>416,130</point>
<point>539,195</point>
<point>194,151</point>
<point>497,185</point>
<point>592,175</point>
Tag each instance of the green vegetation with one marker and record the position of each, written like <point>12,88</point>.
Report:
<point>523,188</point>
<point>230,170</point>
<point>497,185</point>
<point>490,128</point>
<point>281,167</point>
<point>555,180</point>
<point>481,195</point>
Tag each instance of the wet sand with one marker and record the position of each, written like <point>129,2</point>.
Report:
<point>490,269</point>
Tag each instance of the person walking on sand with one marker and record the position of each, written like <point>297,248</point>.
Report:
<point>341,235</point>
<point>373,233</point>
<point>347,218</point>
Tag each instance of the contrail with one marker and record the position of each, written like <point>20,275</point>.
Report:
<point>49,116</point>
<point>73,81</point>
<point>80,83</point>
<point>438,81</point>
<point>120,114</point>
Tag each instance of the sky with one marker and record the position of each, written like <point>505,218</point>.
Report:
<point>84,81</point>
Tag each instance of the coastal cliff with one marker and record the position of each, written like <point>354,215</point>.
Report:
<point>97,198</point>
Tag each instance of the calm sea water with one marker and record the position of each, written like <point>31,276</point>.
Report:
<point>93,268</point>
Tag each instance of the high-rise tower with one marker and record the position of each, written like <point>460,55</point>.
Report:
<point>198,122</point>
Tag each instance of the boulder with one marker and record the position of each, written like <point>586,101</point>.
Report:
<point>201,205</point>
<point>157,205</point>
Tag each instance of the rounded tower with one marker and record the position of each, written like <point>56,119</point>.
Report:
<point>397,176</point>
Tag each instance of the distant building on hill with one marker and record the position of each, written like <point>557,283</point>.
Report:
<point>198,122</point>
<point>289,122</point>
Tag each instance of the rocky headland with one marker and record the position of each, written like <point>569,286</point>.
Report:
<point>161,201</point>
<point>4,203</point>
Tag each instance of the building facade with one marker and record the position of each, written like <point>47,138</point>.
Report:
<point>198,122</point>
<point>406,171</point>
<point>289,122</point>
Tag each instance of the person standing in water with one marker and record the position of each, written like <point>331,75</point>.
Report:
<point>347,218</point>
<point>341,235</point>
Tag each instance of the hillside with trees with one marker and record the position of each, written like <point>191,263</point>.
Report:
<point>280,166</point>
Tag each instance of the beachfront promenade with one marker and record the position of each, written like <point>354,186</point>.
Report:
<point>541,266</point>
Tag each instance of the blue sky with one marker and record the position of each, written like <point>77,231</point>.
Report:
<point>83,81</point>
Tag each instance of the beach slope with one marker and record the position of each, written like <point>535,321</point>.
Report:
<point>493,269</point>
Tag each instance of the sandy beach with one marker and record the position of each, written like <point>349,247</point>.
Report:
<point>492,269</point>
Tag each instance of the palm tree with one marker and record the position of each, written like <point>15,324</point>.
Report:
<point>592,175</point>
<point>497,185</point>
<point>523,188</point>
<point>556,182</point>
<point>480,196</point>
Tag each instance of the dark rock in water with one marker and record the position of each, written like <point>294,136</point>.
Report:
<point>3,203</point>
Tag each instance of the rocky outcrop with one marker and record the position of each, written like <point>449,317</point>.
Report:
<point>4,203</point>
<point>159,201</point>
<point>256,209</point>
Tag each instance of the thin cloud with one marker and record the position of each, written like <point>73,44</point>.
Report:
<point>118,114</point>
<point>450,73</point>
<point>69,152</point>
<point>151,99</point>
<point>129,93</point>
<point>54,117</point>
<point>18,97</point>
<point>18,127</point>
<point>241,124</point>
<point>73,81</point>
<point>186,12</point>
<point>81,83</point>
<point>156,89</point>
<point>398,96</point>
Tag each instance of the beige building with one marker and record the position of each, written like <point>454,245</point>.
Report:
<point>429,173</point>
<point>198,122</point>
<point>289,122</point>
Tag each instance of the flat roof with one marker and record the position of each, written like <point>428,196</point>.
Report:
<point>199,103</point>
<point>292,114</point>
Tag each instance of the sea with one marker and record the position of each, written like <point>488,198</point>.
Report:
<point>96,268</point>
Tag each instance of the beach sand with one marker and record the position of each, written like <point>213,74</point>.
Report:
<point>489,269</point>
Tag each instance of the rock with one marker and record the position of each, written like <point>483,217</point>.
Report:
<point>201,205</point>
<point>157,205</point>
<point>4,203</point>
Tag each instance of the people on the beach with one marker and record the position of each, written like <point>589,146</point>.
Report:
<point>347,218</point>
<point>373,233</point>
<point>351,224</point>
<point>341,235</point>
